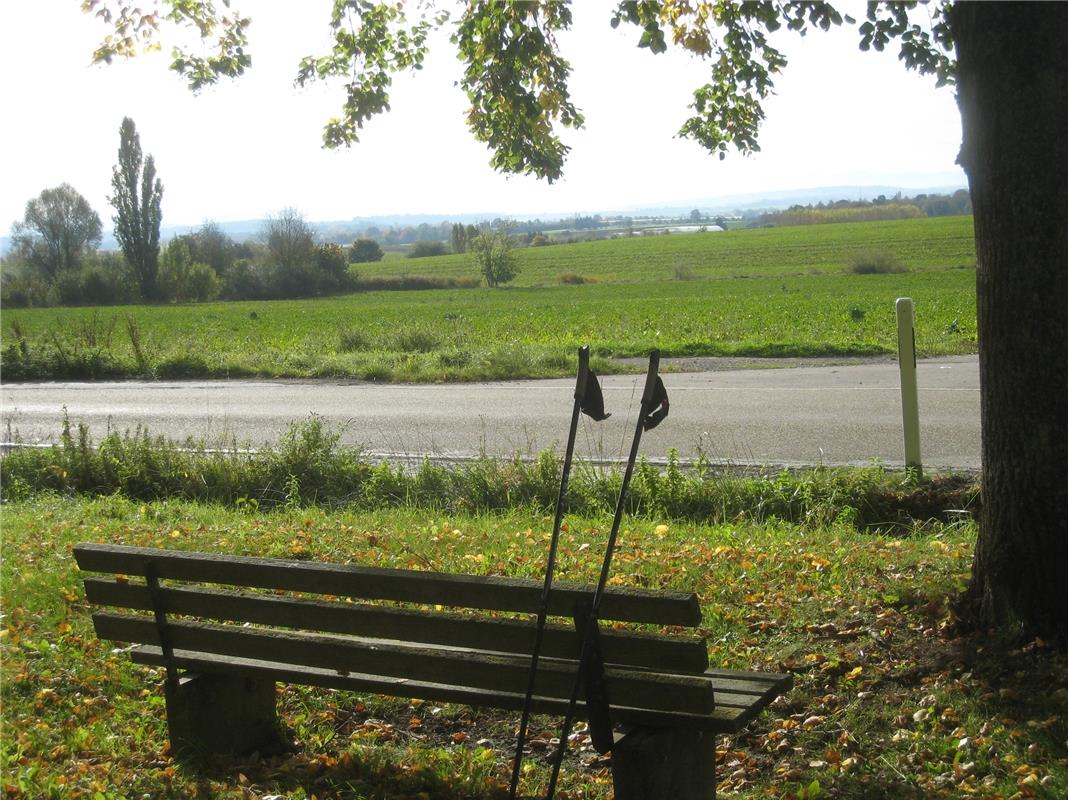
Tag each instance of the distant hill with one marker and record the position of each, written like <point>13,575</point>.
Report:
<point>760,201</point>
<point>744,203</point>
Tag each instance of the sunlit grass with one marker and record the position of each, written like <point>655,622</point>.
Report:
<point>886,703</point>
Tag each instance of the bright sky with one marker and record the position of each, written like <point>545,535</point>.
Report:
<point>251,147</point>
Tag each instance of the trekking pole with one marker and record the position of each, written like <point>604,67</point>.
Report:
<point>589,401</point>
<point>654,408</point>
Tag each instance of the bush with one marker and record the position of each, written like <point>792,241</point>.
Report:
<point>425,249</point>
<point>494,256</point>
<point>19,288</point>
<point>203,284</point>
<point>331,260</point>
<point>393,283</point>
<point>97,290</point>
<point>363,251</point>
<point>102,280</point>
<point>874,262</point>
<point>244,281</point>
<point>182,280</point>
<point>572,279</point>
<point>66,290</point>
<point>683,272</point>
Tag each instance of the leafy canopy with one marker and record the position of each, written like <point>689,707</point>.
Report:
<point>515,77</point>
<point>58,229</point>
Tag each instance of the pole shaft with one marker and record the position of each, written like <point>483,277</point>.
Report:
<point>591,620</point>
<point>550,565</point>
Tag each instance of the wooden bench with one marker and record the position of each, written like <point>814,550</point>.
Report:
<point>227,628</point>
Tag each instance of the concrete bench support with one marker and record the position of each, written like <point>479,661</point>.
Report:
<point>222,714</point>
<point>658,763</point>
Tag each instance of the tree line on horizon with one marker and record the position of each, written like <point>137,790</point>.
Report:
<point>880,208</point>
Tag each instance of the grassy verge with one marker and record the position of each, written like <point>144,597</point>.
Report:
<point>888,702</point>
<point>763,293</point>
<point>309,467</point>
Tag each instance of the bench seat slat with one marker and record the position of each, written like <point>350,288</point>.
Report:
<point>478,669</point>
<point>372,583</point>
<point>664,653</point>
<point>723,719</point>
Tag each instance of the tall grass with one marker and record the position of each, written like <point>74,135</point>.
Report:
<point>308,467</point>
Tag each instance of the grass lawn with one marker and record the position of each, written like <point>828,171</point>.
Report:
<point>888,702</point>
<point>768,292</point>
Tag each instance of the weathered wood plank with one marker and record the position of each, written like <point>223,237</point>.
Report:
<point>728,684</point>
<point>647,689</point>
<point>372,583</point>
<point>719,720</point>
<point>663,653</point>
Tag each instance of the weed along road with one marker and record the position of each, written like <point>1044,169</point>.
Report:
<point>806,415</point>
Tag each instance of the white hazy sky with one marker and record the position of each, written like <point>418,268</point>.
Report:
<point>250,147</point>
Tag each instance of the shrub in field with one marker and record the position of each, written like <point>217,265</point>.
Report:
<point>389,283</point>
<point>363,251</point>
<point>875,262</point>
<point>182,280</point>
<point>245,280</point>
<point>426,249</point>
<point>683,272</point>
<point>495,256</point>
<point>333,267</point>
<point>22,289</point>
<point>103,287</point>
<point>203,283</point>
<point>572,279</point>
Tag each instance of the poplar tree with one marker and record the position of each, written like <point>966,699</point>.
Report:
<point>136,199</point>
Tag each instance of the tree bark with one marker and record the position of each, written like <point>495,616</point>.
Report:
<point>1012,80</point>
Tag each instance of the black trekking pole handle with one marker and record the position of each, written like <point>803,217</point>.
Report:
<point>587,399</point>
<point>653,409</point>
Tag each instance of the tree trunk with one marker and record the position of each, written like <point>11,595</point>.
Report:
<point>1012,62</point>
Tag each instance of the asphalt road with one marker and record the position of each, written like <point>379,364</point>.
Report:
<point>847,414</point>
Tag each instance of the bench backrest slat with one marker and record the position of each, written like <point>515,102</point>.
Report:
<point>668,692</point>
<point>667,654</point>
<point>430,588</point>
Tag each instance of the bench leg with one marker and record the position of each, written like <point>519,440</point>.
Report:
<point>658,763</point>
<point>222,714</point>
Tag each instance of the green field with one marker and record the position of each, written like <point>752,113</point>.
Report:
<point>766,292</point>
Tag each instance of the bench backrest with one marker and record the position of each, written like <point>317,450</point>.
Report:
<point>234,606</point>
